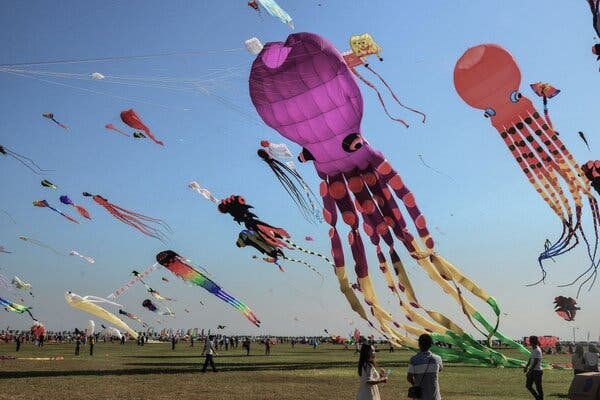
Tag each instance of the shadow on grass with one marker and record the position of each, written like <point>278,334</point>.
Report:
<point>184,367</point>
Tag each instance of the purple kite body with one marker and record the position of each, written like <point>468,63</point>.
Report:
<point>304,90</point>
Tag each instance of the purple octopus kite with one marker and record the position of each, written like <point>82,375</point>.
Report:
<point>303,89</point>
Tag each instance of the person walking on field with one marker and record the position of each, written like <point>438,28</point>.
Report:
<point>209,352</point>
<point>533,370</point>
<point>77,345</point>
<point>18,341</point>
<point>423,370</point>
<point>267,347</point>
<point>370,377</point>
<point>92,340</point>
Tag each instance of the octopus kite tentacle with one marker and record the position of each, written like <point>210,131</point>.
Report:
<point>136,220</point>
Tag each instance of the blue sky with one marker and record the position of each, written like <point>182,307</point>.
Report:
<point>487,219</point>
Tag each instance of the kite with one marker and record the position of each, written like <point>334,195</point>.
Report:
<point>591,170</point>
<point>97,76</point>
<point>148,304</point>
<point>138,221</point>
<point>186,310</point>
<point>3,250</point>
<point>112,332</point>
<point>136,278</point>
<point>133,317</point>
<point>487,77</point>
<point>48,184</point>
<point>595,8</point>
<point>86,258</point>
<point>139,135</point>
<point>44,203</point>
<point>153,292</point>
<point>582,136</point>
<point>178,266</point>
<point>89,304</point>
<point>360,182</point>
<point>221,326</point>
<point>21,285</point>
<point>14,307</point>
<point>272,8</point>
<point>80,210</point>
<point>50,116</point>
<point>114,128</point>
<point>40,244</point>
<point>294,185</point>
<point>545,91</point>
<point>91,327</point>
<point>203,192</point>
<point>309,239</point>
<point>26,161</point>
<point>267,239</point>
<point>566,307</point>
<point>133,120</point>
<point>361,47</point>
<point>164,279</point>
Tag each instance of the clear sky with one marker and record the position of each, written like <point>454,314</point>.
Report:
<point>486,218</point>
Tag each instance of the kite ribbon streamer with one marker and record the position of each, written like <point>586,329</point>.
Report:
<point>88,305</point>
<point>203,192</point>
<point>44,203</point>
<point>177,265</point>
<point>133,281</point>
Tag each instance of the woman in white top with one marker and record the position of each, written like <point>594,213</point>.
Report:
<point>369,376</point>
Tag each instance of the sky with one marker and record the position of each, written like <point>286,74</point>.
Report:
<point>484,215</point>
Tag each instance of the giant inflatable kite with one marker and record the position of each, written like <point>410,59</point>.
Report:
<point>487,77</point>
<point>303,89</point>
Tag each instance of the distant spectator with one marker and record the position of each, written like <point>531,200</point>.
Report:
<point>591,359</point>
<point>577,360</point>
<point>209,352</point>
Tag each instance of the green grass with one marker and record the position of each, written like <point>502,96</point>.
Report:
<point>155,372</point>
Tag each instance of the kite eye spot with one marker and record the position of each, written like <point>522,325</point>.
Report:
<point>515,96</point>
<point>241,200</point>
<point>489,112</point>
<point>352,142</point>
<point>305,156</point>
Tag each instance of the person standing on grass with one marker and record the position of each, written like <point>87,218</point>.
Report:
<point>267,347</point>
<point>591,359</point>
<point>370,377</point>
<point>533,370</point>
<point>92,340</point>
<point>578,361</point>
<point>191,341</point>
<point>423,370</point>
<point>18,341</point>
<point>77,345</point>
<point>209,352</point>
<point>173,342</point>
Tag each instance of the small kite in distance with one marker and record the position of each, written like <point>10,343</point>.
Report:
<point>50,116</point>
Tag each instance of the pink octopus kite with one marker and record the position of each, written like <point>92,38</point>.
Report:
<point>303,89</point>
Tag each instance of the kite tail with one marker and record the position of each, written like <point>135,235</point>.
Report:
<point>67,216</point>
<point>132,219</point>
<point>303,263</point>
<point>82,211</point>
<point>546,113</point>
<point>59,124</point>
<point>311,252</point>
<point>369,84</point>
<point>31,315</point>
<point>23,160</point>
<point>394,94</point>
<point>151,136</point>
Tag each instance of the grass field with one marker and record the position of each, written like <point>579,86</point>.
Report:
<point>156,372</point>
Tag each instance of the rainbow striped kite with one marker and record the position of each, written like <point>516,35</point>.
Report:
<point>177,265</point>
<point>18,308</point>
